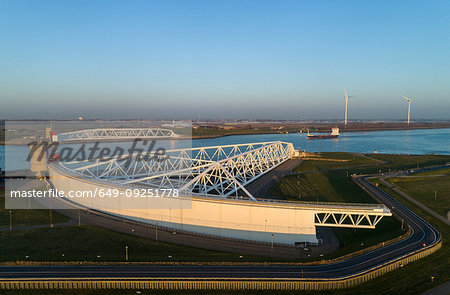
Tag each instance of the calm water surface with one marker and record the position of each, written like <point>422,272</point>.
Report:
<point>423,141</point>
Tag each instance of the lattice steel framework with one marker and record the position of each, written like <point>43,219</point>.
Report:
<point>216,170</point>
<point>220,171</point>
<point>116,133</point>
<point>363,219</point>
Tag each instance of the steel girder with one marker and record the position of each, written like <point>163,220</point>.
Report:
<point>116,133</point>
<point>221,171</point>
<point>216,170</point>
<point>345,218</point>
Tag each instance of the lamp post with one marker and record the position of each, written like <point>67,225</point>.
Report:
<point>271,246</point>
<point>51,214</point>
<point>10,220</point>
<point>51,218</point>
<point>156,234</point>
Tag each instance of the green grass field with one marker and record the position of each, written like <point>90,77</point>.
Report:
<point>434,172</point>
<point>85,243</point>
<point>433,192</point>
<point>329,186</point>
<point>371,163</point>
<point>352,240</point>
<point>401,162</point>
<point>414,278</point>
<point>335,183</point>
<point>23,217</point>
<point>222,132</point>
<point>335,186</point>
<point>344,160</point>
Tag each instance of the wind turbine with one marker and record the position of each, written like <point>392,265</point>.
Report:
<point>409,106</point>
<point>346,103</point>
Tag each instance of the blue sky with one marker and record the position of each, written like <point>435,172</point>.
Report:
<point>224,59</point>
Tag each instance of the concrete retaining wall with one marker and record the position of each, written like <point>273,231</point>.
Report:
<point>240,219</point>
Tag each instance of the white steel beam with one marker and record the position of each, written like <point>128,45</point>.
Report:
<point>115,134</point>
<point>218,170</point>
<point>221,171</point>
<point>347,217</point>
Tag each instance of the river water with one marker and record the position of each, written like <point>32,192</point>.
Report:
<point>420,142</point>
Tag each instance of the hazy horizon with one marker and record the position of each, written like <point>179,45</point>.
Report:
<point>280,60</point>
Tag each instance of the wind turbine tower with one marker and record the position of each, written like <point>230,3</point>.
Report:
<point>346,104</point>
<point>409,107</point>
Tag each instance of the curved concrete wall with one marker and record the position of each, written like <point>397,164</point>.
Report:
<point>240,219</point>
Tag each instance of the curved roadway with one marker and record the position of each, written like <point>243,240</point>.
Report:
<point>423,235</point>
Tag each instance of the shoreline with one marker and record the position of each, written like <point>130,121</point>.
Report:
<point>320,129</point>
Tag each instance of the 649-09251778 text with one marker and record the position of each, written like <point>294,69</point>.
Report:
<point>98,192</point>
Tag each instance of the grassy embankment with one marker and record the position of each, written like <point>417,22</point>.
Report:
<point>333,185</point>
<point>22,217</point>
<point>334,160</point>
<point>432,191</point>
<point>110,245</point>
<point>403,162</point>
<point>215,132</point>
<point>320,184</point>
<point>415,277</point>
<point>215,129</point>
<point>438,172</point>
<point>330,183</point>
<point>87,243</point>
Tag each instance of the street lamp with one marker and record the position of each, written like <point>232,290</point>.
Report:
<point>156,234</point>
<point>271,246</point>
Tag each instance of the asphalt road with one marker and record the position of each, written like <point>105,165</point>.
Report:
<point>422,234</point>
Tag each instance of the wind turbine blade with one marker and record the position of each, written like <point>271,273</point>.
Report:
<point>405,98</point>
<point>346,95</point>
